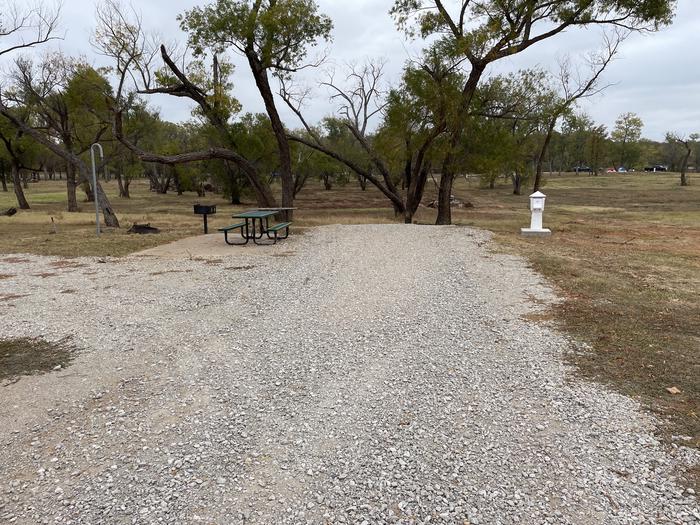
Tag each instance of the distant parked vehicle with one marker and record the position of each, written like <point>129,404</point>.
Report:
<point>657,167</point>
<point>582,169</point>
<point>611,170</point>
<point>621,170</point>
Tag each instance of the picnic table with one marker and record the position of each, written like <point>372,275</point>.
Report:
<point>256,224</point>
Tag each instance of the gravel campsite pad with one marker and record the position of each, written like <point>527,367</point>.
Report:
<point>354,374</point>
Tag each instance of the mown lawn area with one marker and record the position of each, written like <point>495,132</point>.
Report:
<point>625,254</point>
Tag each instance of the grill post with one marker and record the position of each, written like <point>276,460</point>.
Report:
<point>205,210</point>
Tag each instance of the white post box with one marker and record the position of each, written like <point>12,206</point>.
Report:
<point>537,209</point>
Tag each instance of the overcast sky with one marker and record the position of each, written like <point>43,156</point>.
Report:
<point>655,76</point>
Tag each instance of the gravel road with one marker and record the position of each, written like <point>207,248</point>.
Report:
<point>354,374</point>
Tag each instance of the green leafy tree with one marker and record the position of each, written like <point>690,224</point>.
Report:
<point>484,32</point>
<point>397,158</point>
<point>626,136</point>
<point>19,152</point>
<point>67,100</point>
<point>274,37</point>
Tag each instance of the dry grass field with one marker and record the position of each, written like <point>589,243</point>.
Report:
<point>625,255</point>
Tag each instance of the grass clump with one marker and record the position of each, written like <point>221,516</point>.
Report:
<point>29,356</point>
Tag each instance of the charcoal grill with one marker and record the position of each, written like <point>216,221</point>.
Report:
<point>205,210</point>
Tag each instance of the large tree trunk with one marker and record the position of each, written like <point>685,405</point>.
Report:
<point>234,184</point>
<point>416,188</point>
<point>120,183</point>
<point>543,152</point>
<point>448,170</point>
<point>684,168</point>
<point>110,218</point>
<point>444,215</point>
<point>89,194</point>
<point>517,179</point>
<point>71,188</point>
<point>176,180</point>
<point>3,176</point>
<point>263,84</point>
<point>19,192</point>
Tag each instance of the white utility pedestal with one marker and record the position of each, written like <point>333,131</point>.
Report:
<point>537,208</point>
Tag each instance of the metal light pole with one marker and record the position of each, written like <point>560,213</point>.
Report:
<point>94,182</point>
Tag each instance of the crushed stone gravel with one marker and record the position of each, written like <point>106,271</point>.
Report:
<point>368,374</point>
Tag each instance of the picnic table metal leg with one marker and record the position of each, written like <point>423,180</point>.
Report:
<point>267,228</point>
<point>255,237</point>
<point>235,243</point>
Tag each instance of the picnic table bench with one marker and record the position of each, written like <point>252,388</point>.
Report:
<point>255,224</point>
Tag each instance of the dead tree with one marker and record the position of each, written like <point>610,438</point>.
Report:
<point>573,90</point>
<point>688,145</point>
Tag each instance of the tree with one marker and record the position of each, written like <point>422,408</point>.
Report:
<point>273,36</point>
<point>416,114</point>
<point>27,26</point>
<point>596,147</point>
<point>688,144</point>
<point>626,135</point>
<point>490,30</point>
<point>65,98</point>
<point>19,152</point>
<point>572,89</point>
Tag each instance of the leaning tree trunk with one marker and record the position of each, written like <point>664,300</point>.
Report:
<point>263,85</point>
<point>19,192</point>
<point>444,215</point>
<point>517,183</point>
<point>414,195</point>
<point>89,194</point>
<point>71,188</point>
<point>684,168</point>
<point>543,152</point>
<point>234,184</point>
<point>177,181</point>
<point>123,190</point>
<point>110,218</point>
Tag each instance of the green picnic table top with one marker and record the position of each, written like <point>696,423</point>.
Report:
<point>255,214</point>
